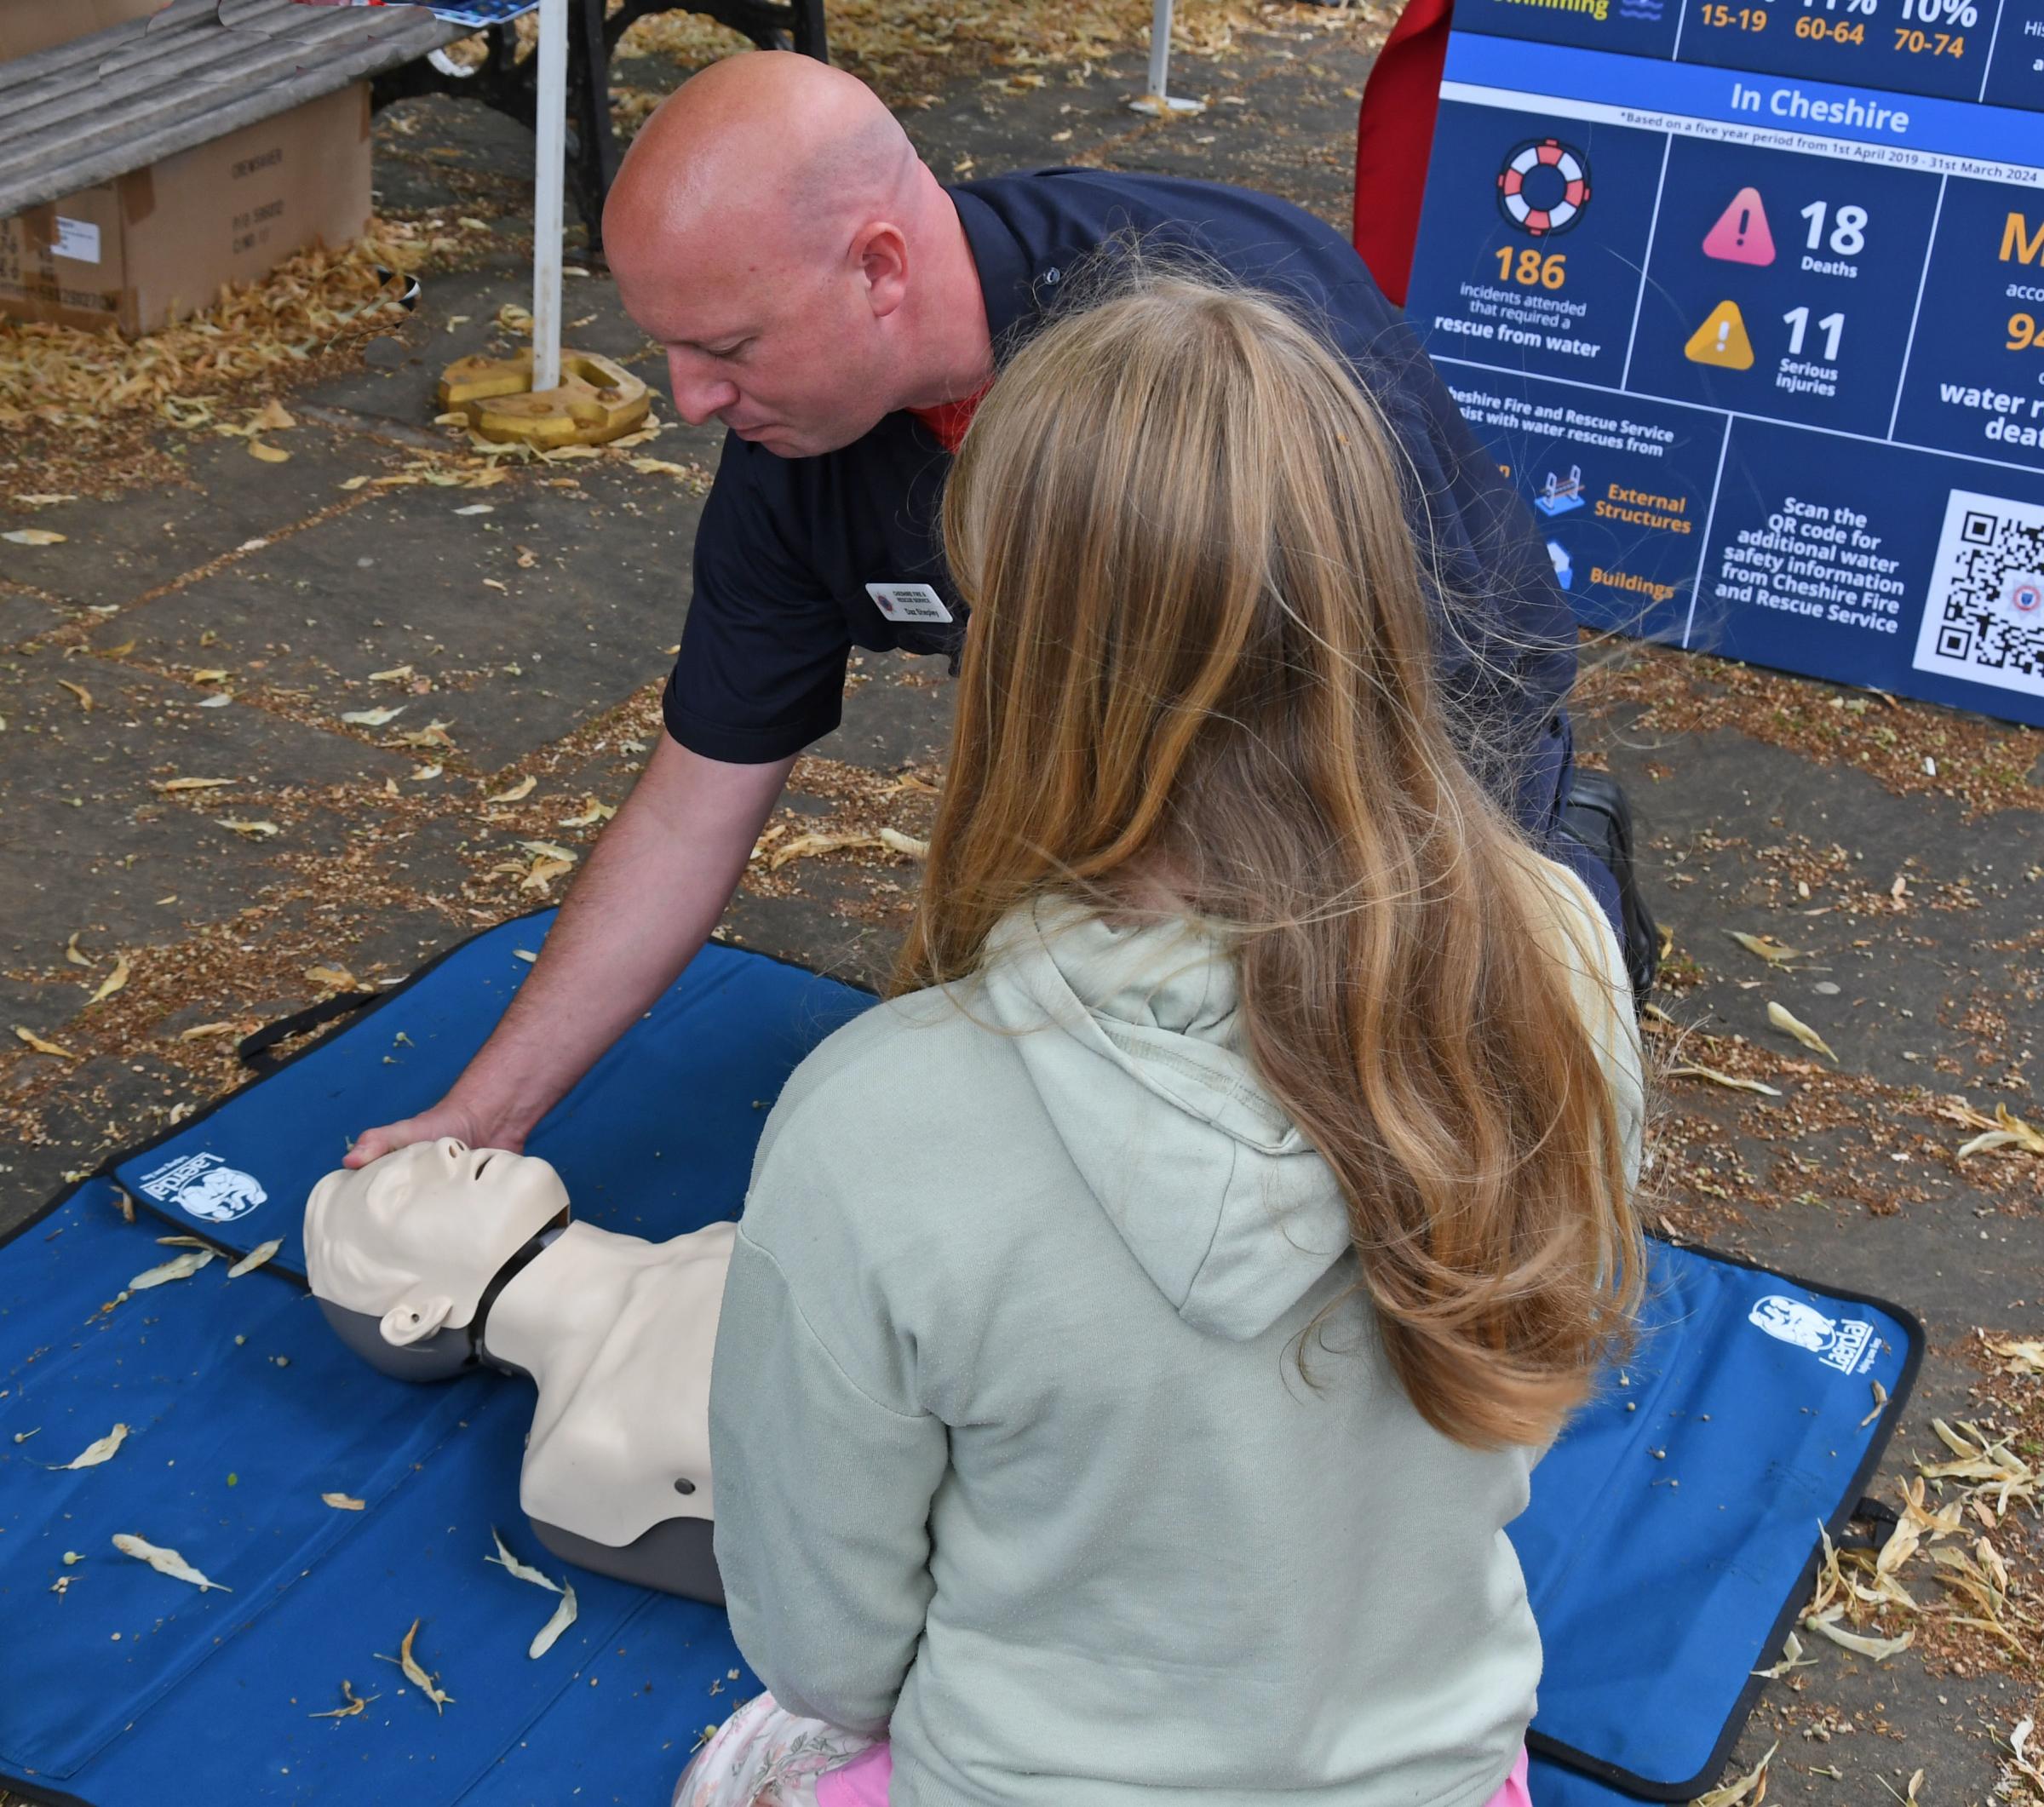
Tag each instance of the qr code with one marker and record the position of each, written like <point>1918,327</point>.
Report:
<point>1984,617</point>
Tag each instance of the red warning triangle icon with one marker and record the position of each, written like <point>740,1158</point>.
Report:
<point>1741,235</point>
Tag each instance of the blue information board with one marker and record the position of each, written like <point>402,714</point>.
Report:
<point>1748,296</point>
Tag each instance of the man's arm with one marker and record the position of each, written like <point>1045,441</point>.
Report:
<point>655,886</point>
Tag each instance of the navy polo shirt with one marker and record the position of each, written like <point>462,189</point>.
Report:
<point>787,546</point>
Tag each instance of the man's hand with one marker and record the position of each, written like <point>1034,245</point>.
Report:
<point>654,887</point>
<point>446,1118</point>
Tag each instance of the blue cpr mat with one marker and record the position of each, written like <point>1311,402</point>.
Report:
<point>1672,1531</point>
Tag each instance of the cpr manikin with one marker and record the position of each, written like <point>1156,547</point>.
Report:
<point>439,1257</point>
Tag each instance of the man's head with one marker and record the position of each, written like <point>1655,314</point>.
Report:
<point>769,228</point>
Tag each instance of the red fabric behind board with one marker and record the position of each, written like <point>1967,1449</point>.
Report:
<point>1394,139</point>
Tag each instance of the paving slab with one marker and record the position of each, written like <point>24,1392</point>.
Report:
<point>555,597</point>
<point>90,839</point>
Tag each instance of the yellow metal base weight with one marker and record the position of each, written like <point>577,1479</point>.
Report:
<point>597,400</point>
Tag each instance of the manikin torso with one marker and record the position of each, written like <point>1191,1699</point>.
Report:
<point>438,1255</point>
<point>617,1333</point>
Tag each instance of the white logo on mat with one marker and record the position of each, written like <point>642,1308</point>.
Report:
<point>1844,1343</point>
<point>202,1186</point>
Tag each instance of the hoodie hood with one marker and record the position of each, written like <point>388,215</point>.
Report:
<point>1132,1040</point>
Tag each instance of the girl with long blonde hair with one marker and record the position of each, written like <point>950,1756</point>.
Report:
<point>1144,1325</point>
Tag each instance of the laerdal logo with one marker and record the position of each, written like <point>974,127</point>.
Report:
<point>204,1187</point>
<point>1847,1344</point>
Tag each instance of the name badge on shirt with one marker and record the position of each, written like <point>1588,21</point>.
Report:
<point>907,602</point>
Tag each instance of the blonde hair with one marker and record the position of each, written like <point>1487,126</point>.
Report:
<point>1199,655</point>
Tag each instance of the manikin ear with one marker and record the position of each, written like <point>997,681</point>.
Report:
<point>413,1319</point>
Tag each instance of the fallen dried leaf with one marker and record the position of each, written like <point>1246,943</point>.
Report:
<point>1728,1081</point>
<point>433,734</point>
<point>592,813</point>
<point>255,1258</point>
<point>339,978</point>
<point>541,874</point>
<point>175,784</point>
<point>418,1677</point>
<point>2025,1356</point>
<point>95,1453</point>
<point>78,691</point>
<point>1792,1658</point>
<point>343,1502</point>
<point>42,502</point>
<point>71,953</point>
<point>355,1704</point>
<point>1794,1025</point>
<point>204,1031</point>
<point>1749,1790</point>
<point>2010,1130</point>
<point>548,849</point>
<point>564,1616</point>
<point>396,675</point>
<point>1876,1649</point>
<point>181,1267</point>
<point>478,507</point>
<point>907,844</point>
<point>1766,947</point>
<point>272,417</point>
<point>355,483</point>
<point>42,1047</point>
<point>254,830</point>
<point>113,981</point>
<point>33,537</point>
<point>517,793</point>
<point>268,453</point>
<point>804,845</point>
<point>165,1561</point>
<point>523,1571</point>
<point>374,717</point>
<point>1880,1404</point>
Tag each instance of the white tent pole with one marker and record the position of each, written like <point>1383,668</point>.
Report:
<point>551,128</point>
<point>1160,47</point>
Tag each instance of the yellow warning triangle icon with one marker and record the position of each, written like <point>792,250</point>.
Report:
<point>1721,340</point>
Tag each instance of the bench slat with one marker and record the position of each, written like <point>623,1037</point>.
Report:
<point>157,86</point>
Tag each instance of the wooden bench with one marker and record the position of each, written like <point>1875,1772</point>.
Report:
<point>119,100</point>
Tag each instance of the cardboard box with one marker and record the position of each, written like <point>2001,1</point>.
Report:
<point>152,246</point>
<point>29,26</point>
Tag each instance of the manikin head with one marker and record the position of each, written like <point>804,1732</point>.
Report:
<point>773,228</point>
<point>414,1240</point>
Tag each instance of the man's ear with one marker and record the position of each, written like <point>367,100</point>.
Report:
<point>411,1320</point>
<point>882,256</point>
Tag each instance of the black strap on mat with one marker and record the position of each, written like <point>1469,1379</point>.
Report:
<point>254,1050</point>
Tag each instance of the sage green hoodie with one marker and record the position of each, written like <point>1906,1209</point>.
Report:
<point>1013,1457</point>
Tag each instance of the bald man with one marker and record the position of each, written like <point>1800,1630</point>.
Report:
<point>839,310</point>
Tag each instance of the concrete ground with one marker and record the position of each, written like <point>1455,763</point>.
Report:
<point>213,616</point>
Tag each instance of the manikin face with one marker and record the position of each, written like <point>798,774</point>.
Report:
<point>415,1238</point>
<point>787,352</point>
